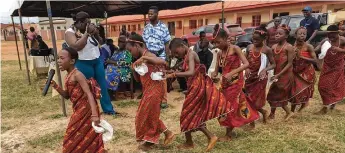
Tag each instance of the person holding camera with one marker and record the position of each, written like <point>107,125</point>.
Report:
<point>83,36</point>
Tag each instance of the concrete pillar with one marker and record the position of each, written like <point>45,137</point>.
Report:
<point>271,14</point>
<point>324,8</point>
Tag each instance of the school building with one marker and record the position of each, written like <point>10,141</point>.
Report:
<point>245,13</point>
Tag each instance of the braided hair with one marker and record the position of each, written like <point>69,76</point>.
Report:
<point>177,42</point>
<point>261,31</point>
<point>286,28</point>
<point>72,52</point>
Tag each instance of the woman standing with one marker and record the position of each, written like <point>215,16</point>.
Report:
<point>82,36</point>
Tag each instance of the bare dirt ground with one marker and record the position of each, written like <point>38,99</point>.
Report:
<point>33,123</point>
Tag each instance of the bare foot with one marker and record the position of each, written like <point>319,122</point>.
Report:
<point>303,107</point>
<point>224,139</point>
<point>271,116</point>
<point>169,138</point>
<point>185,146</point>
<point>265,116</point>
<point>211,143</point>
<point>145,147</point>
<point>288,116</point>
<point>323,111</point>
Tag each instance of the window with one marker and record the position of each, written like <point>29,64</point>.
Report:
<point>209,29</point>
<point>317,11</point>
<point>239,20</point>
<point>336,10</point>
<point>200,22</point>
<point>42,28</point>
<point>192,24</point>
<point>197,32</point>
<point>58,27</point>
<point>48,28</point>
<point>113,28</point>
<point>129,28</point>
<point>134,27</point>
<point>64,27</point>
<point>139,27</point>
<point>171,28</point>
<point>179,24</point>
<point>206,21</point>
<point>256,19</point>
<point>220,20</point>
<point>271,23</point>
<point>280,14</point>
<point>295,23</point>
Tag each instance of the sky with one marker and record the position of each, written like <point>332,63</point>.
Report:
<point>7,7</point>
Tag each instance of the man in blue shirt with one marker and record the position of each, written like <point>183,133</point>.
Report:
<point>310,23</point>
<point>157,37</point>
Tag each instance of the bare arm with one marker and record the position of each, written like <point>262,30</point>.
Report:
<point>62,92</point>
<point>272,65</point>
<point>73,42</point>
<point>191,66</point>
<point>312,36</point>
<point>154,60</point>
<point>290,56</point>
<point>80,78</point>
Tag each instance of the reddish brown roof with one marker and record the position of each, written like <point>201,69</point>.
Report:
<point>203,9</point>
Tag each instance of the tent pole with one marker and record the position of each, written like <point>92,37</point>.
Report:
<point>52,30</point>
<point>25,54</point>
<point>106,24</point>
<point>223,14</point>
<point>15,38</point>
<point>145,20</point>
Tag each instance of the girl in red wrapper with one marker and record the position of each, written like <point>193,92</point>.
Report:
<point>259,56</point>
<point>80,135</point>
<point>203,100</point>
<point>230,58</point>
<point>303,70</point>
<point>280,90</point>
<point>332,82</point>
<point>148,126</point>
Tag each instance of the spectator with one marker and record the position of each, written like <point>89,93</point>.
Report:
<point>205,55</point>
<point>107,50</point>
<point>272,32</point>
<point>118,70</point>
<point>124,32</point>
<point>41,43</point>
<point>310,23</point>
<point>342,28</point>
<point>156,36</point>
<point>32,36</point>
<point>202,36</point>
<point>88,61</point>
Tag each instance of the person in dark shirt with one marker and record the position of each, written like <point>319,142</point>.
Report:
<point>124,32</point>
<point>310,23</point>
<point>205,55</point>
<point>41,43</point>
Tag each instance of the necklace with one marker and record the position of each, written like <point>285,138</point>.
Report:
<point>299,48</point>
<point>256,56</point>
<point>281,49</point>
<point>222,58</point>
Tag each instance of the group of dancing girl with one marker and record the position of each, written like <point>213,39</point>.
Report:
<point>239,100</point>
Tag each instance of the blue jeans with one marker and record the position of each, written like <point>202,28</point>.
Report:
<point>95,69</point>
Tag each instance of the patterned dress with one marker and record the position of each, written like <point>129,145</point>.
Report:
<point>148,125</point>
<point>331,82</point>
<point>280,91</point>
<point>254,87</point>
<point>203,100</point>
<point>243,112</point>
<point>80,137</point>
<point>120,72</point>
<point>304,78</point>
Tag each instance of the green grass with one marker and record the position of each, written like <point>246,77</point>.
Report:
<point>306,132</point>
<point>47,141</point>
<point>19,99</point>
